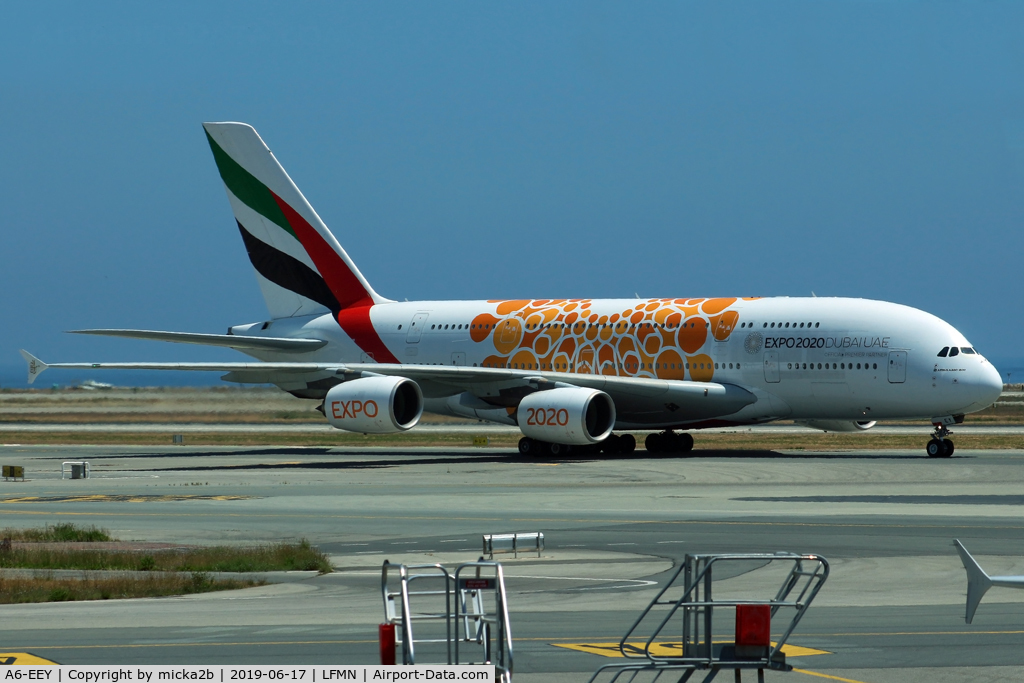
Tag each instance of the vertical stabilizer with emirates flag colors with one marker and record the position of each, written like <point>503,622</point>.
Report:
<point>301,267</point>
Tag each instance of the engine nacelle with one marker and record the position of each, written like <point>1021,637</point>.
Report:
<point>374,405</point>
<point>838,425</point>
<point>567,416</point>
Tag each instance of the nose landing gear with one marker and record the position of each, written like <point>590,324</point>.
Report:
<point>940,446</point>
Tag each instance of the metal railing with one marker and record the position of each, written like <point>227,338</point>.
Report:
<point>497,544</point>
<point>468,607</point>
<point>696,607</point>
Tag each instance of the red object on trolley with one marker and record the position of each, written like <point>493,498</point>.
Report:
<point>386,633</point>
<point>753,625</point>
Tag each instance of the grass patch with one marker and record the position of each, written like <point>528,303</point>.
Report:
<point>57,533</point>
<point>147,585</point>
<point>277,557</point>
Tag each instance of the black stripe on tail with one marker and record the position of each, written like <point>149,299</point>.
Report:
<point>287,271</point>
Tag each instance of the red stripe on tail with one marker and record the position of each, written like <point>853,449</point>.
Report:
<point>355,301</point>
<point>342,282</point>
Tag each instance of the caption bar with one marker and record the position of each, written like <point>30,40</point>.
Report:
<point>228,674</point>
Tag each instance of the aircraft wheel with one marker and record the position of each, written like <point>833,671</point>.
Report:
<point>611,445</point>
<point>935,449</point>
<point>949,448</point>
<point>654,443</point>
<point>627,443</point>
<point>557,449</point>
<point>528,446</point>
<point>685,443</point>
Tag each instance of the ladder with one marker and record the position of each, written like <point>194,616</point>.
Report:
<point>459,617</point>
<point>687,606</point>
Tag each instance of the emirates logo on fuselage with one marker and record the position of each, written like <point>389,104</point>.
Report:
<point>753,342</point>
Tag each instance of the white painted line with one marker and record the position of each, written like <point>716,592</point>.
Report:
<point>662,542</point>
<point>355,544</point>
<point>370,552</point>
<point>577,545</point>
<point>404,542</point>
<point>455,540</point>
<point>635,583</point>
<point>623,544</point>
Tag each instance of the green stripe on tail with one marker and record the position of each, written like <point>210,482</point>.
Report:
<point>247,188</point>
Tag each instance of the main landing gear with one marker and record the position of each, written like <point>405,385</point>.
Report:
<point>940,446</point>
<point>668,442</point>
<point>615,444</point>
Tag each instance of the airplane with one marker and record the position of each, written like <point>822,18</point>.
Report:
<point>978,582</point>
<point>567,372</point>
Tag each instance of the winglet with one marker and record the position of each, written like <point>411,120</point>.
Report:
<point>35,366</point>
<point>978,582</point>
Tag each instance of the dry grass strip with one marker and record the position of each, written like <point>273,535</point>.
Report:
<point>128,585</point>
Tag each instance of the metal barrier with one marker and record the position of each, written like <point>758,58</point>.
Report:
<point>465,611</point>
<point>13,472</point>
<point>697,607</point>
<point>77,470</point>
<point>498,544</point>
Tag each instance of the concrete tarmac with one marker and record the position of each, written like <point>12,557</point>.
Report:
<point>892,609</point>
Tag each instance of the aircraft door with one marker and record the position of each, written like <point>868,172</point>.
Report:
<point>771,366</point>
<point>458,358</point>
<point>416,328</point>
<point>897,367</point>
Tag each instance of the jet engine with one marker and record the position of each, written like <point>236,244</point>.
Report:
<point>838,425</point>
<point>374,405</point>
<point>567,416</point>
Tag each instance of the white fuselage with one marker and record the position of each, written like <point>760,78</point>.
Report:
<point>804,358</point>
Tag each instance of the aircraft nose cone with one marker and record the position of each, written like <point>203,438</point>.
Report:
<point>990,385</point>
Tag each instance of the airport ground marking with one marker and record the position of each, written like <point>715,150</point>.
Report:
<point>666,649</point>
<point>22,659</point>
<point>828,676</point>
<point>125,498</point>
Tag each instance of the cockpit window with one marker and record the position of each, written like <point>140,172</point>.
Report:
<point>943,352</point>
<point>967,349</point>
<point>954,351</point>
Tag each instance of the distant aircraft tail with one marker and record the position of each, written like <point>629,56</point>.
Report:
<point>301,267</point>
<point>978,582</point>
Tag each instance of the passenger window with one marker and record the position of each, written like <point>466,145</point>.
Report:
<point>943,352</point>
<point>967,349</point>
<point>954,351</point>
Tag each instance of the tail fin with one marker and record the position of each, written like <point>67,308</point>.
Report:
<point>300,266</point>
<point>978,582</point>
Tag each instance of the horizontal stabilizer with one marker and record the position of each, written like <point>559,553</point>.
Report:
<point>978,582</point>
<point>35,366</point>
<point>234,341</point>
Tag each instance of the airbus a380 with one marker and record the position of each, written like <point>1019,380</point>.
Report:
<point>567,372</point>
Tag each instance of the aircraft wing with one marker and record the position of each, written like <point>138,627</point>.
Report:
<point>500,386</point>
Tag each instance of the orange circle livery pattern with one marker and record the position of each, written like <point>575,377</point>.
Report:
<point>655,338</point>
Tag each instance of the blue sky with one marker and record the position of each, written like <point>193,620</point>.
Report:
<point>491,150</point>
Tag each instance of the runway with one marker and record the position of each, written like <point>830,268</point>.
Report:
<point>457,428</point>
<point>892,609</point>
